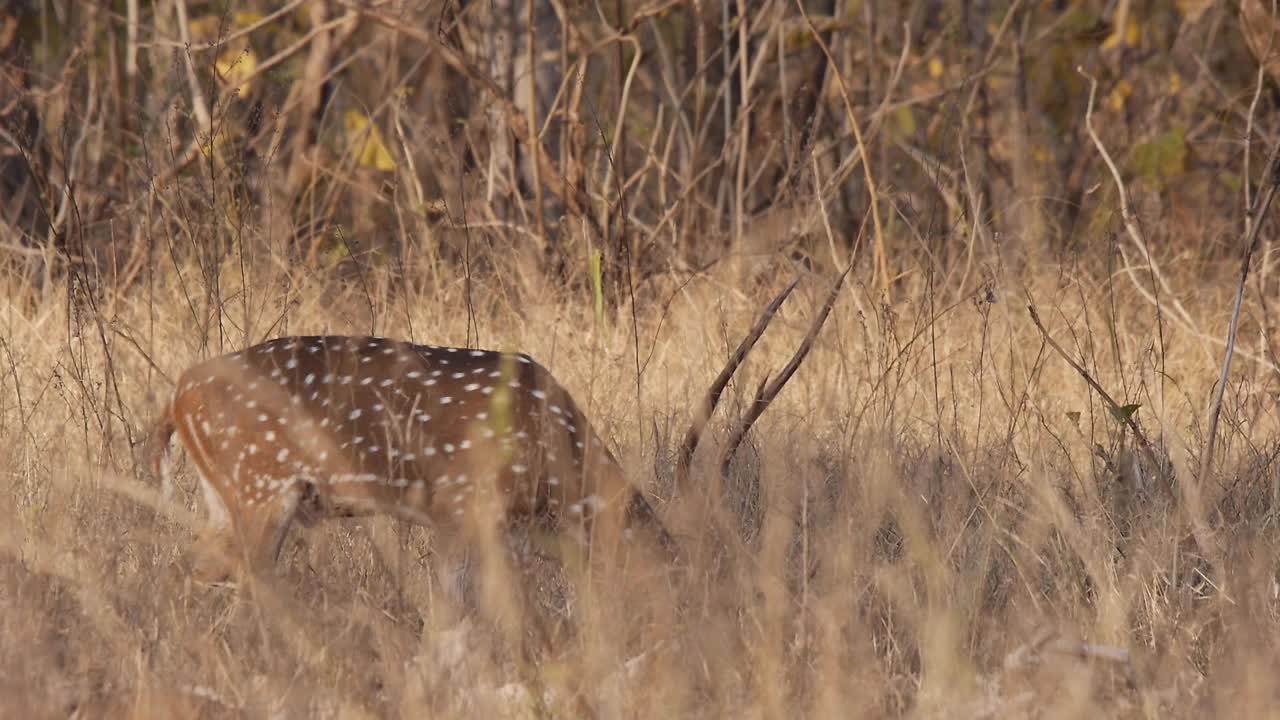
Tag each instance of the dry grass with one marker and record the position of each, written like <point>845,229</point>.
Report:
<point>932,519</point>
<point>937,517</point>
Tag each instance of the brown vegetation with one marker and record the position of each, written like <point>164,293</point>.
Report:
<point>954,507</point>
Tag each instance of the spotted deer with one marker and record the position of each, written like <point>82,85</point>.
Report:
<point>462,440</point>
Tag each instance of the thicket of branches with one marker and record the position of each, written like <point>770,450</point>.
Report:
<point>659,136</point>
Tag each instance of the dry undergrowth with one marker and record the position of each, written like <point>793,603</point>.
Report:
<point>935,518</point>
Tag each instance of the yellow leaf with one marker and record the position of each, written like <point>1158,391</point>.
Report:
<point>245,18</point>
<point>216,143</point>
<point>236,69</point>
<point>366,141</point>
<point>935,68</point>
<point>1175,83</point>
<point>1132,34</point>
<point>905,121</point>
<point>1119,95</point>
<point>205,29</point>
<point>1192,9</point>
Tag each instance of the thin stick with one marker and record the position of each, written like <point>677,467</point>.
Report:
<point>1112,405</point>
<point>1250,244</point>
<point>531,116</point>
<point>882,263</point>
<point>1126,212</point>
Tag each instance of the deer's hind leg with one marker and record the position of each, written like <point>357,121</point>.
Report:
<point>246,537</point>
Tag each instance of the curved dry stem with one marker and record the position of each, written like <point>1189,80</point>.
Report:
<point>768,391</point>
<point>703,415</point>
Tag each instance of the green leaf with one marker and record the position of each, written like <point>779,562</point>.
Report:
<point>1163,158</point>
<point>904,121</point>
<point>1125,413</point>
<point>597,284</point>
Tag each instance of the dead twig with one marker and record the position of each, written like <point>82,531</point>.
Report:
<point>1116,410</point>
<point>768,391</point>
<point>712,399</point>
<point>1256,215</point>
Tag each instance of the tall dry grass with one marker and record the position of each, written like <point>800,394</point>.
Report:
<point>936,517</point>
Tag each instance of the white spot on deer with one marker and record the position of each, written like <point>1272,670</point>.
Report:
<point>471,387</point>
<point>291,363</point>
<point>282,455</point>
<point>269,436</point>
<point>446,400</point>
<point>354,414</point>
<point>590,502</point>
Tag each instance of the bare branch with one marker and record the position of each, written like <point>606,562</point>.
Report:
<point>1250,244</point>
<point>703,415</point>
<point>1116,411</point>
<point>766,393</point>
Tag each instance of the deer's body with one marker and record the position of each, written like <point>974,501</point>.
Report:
<point>459,439</point>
